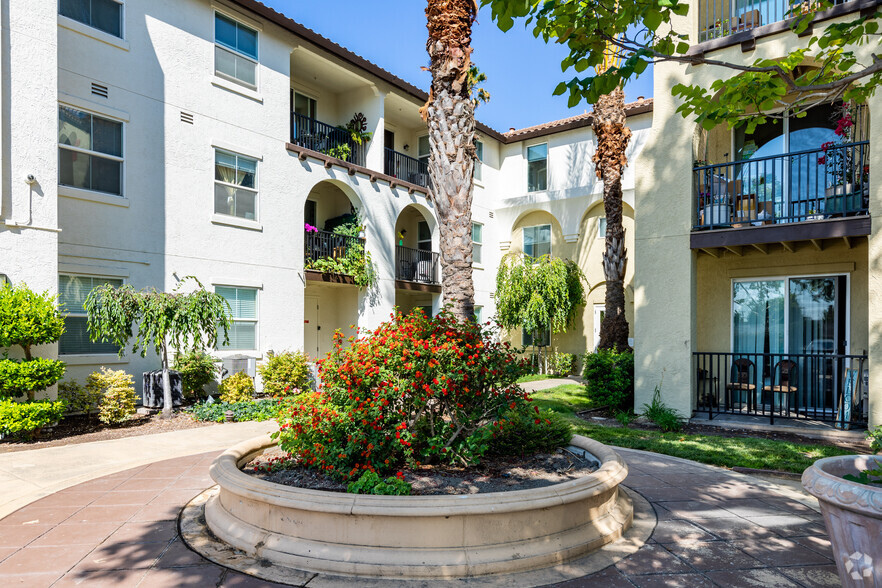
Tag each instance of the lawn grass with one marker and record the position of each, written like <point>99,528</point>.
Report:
<point>535,378</point>
<point>716,450</point>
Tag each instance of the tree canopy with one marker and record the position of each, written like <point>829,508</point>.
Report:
<point>643,32</point>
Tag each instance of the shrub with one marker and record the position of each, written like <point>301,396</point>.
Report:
<point>251,410</point>
<point>285,373</point>
<point>117,393</point>
<point>874,436</point>
<point>415,389</point>
<point>197,368</point>
<point>562,364</point>
<point>661,414</point>
<point>528,432</point>
<point>78,398</point>
<point>28,319</point>
<point>609,376</point>
<point>625,417</point>
<point>237,388</point>
<point>26,419</point>
<point>371,483</point>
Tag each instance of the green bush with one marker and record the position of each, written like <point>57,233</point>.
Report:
<point>562,364</point>
<point>529,431</point>
<point>197,368</point>
<point>661,414</point>
<point>371,483</point>
<point>78,398</point>
<point>625,417</point>
<point>285,373</point>
<point>250,410</point>
<point>237,388</point>
<point>28,319</point>
<point>874,436</point>
<point>25,419</point>
<point>609,376</point>
<point>117,392</point>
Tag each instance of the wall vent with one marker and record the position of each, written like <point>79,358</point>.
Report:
<point>492,295</point>
<point>99,90</point>
<point>491,214</point>
<point>186,117</point>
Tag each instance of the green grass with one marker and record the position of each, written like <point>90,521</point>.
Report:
<point>716,450</point>
<point>535,378</point>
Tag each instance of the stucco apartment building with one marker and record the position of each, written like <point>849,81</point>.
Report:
<point>143,142</point>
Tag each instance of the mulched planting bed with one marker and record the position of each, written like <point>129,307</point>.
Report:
<point>77,429</point>
<point>500,474</point>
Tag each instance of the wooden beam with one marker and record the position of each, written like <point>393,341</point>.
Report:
<point>788,246</point>
<point>734,249</point>
<point>711,252</point>
<point>351,171</point>
<point>302,156</point>
<point>761,247</point>
<point>847,242</point>
<point>328,163</point>
<point>819,244</point>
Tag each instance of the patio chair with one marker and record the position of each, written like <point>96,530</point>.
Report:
<point>743,375</point>
<point>783,383</point>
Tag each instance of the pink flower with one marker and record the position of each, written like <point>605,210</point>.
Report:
<point>309,228</point>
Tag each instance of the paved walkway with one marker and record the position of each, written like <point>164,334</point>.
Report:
<point>715,528</point>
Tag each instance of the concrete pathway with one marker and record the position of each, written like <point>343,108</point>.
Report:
<point>552,383</point>
<point>715,528</point>
<point>26,476</point>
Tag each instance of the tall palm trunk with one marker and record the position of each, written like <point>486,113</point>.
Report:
<point>450,115</point>
<point>610,160</point>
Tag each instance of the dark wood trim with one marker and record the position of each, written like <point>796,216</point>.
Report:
<point>352,169</point>
<point>418,286</point>
<point>832,228</point>
<point>317,276</point>
<point>748,38</point>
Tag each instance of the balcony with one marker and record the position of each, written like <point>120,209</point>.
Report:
<point>719,19</point>
<point>404,167</point>
<point>805,195</point>
<point>330,257</point>
<point>824,387</point>
<point>324,138</point>
<point>416,269</point>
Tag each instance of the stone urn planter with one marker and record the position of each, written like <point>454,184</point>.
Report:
<point>417,537</point>
<point>853,516</point>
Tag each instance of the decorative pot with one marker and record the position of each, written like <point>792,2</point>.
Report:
<point>716,214</point>
<point>842,199</point>
<point>852,514</point>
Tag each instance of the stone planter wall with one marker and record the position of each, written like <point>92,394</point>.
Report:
<point>417,536</point>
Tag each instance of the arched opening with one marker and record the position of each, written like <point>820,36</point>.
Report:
<point>417,263</point>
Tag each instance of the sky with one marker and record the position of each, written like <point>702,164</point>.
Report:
<point>522,71</point>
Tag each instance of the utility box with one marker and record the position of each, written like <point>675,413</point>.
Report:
<point>152,396</point>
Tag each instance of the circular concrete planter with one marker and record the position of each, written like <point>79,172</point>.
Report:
<point>417,536</point>
<point>853,516</point>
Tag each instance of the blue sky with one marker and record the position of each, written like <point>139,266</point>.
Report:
<point>521,71</point>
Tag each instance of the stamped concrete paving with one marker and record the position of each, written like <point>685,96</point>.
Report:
<point>715,528</point>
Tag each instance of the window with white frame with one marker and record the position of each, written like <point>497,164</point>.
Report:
<point>423,149</point>
<point>235,51</point>
<point>235,185</point>
<point>72,293</point>
<point>601,227</point>
<point>479,161</point>
<point>90,151</point>
<point>537,241</point>
<point>477,242</point>
<point>537,167</point>
<point>104,15</point>
<point>243,304</point>
<point>479,314</point>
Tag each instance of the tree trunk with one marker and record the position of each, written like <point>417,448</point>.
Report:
<point>610,160</point>
<point>166,385</point>
<point>450,116</point>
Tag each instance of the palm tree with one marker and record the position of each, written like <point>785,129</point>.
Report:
<point>610,160</point>
<point>450,116</point>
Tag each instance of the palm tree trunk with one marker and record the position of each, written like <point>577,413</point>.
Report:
<point>450,115</point>
<point>610,160</point>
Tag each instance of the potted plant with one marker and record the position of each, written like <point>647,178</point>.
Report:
<point>839,165</point>
<point>813,214</point>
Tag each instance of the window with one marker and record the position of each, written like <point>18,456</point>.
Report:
<point>423,149</point>
<point>543,340</point>
<point>601,227</point>
<point>90,151</point>
<point>537,167</point>
<point>304,105</point>
<point>479,162</point>
<point>424,236</point>
<point>309,214</point>
<point>537,241</point>
<point>477,242</point>
<point>479,314</point>
<point>104,15</point>
<point>243,302</point>
<point>235,185</point>
<point>235,51</point>
<point>72,293</point>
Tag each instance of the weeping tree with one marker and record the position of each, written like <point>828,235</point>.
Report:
<point>538,295</point>
<point>450,116</point>
<point>163,319</point>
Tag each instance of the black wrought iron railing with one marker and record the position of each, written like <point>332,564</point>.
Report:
<point>824,387</point>
<point>719,18</point>
<point>324,138</point>
<point>326,245</point>
<point>796,187</point>
<point>406,168</point>
<point>416,265</point>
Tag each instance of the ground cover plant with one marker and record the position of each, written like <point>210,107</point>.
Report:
<point>416,390</point>
<point>263,409</point>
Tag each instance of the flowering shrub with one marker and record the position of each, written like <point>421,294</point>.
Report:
<point>309,228</point>
<point>416,389</point>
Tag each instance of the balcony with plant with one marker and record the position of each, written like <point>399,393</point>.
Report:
<point>340,250</point>
<point>344,142</point>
